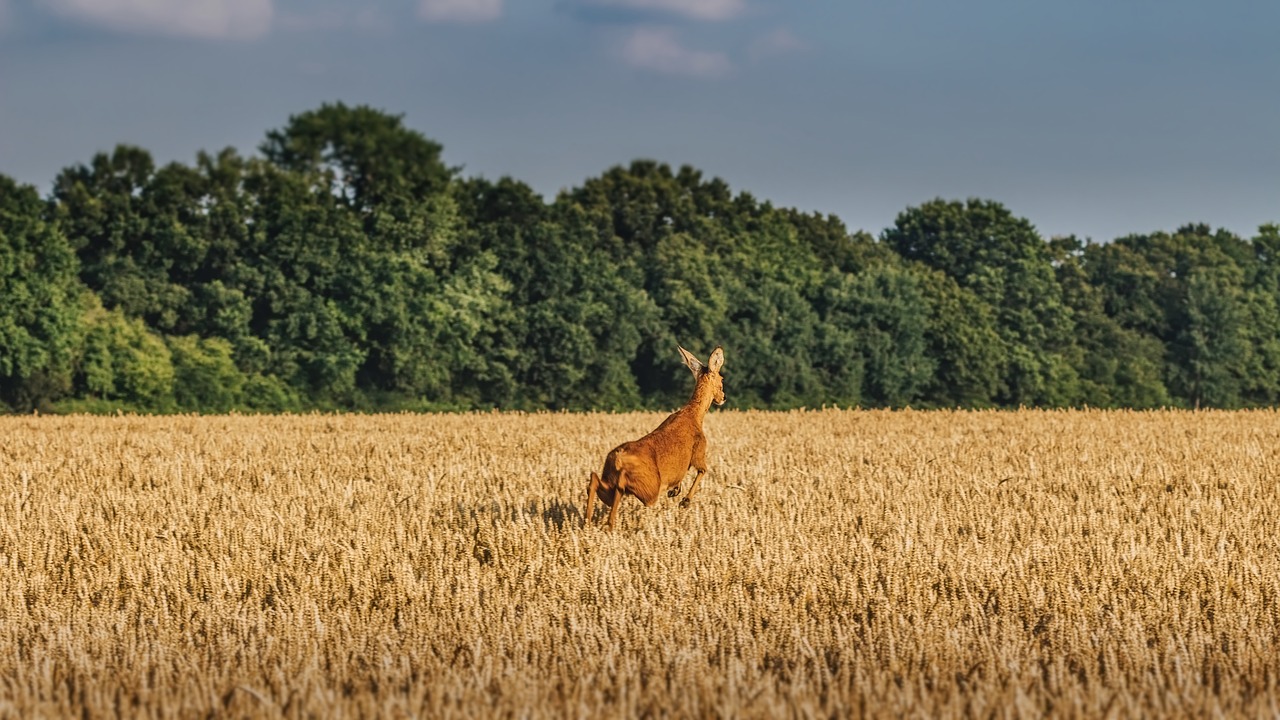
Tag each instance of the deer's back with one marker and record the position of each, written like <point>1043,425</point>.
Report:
<point>670,446</point>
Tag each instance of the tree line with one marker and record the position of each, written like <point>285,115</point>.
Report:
<point>347,267</point>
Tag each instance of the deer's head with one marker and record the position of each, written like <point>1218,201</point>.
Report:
<point>709,373</point>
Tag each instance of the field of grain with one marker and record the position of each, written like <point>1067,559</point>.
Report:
<point>916,564</point>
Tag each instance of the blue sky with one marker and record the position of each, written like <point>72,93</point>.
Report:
<point>1098,118</point>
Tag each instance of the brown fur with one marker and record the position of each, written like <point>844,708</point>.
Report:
<point>659,461</point>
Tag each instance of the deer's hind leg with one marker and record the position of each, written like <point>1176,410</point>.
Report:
<point>592,487</point>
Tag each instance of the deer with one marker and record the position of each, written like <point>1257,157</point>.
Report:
<point>660,460</point>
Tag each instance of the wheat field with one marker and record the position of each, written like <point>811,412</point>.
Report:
<point>835,563</point>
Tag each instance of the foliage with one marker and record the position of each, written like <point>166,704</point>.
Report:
<point>205,377</point>
<point>121,360</point>
<point>348,267</point>
<point>1005,263</point>
<point>39,310</point>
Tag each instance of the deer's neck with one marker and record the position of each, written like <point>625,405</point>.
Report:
<point>701,400</point>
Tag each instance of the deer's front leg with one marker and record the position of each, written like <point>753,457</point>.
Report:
<point>699,463</point>
<point>693,488</point>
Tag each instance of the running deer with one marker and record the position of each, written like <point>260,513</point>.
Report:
<point>660,460</point>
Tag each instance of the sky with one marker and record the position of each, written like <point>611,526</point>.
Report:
<point>1098,118</point>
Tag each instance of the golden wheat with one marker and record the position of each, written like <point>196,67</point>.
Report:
<point>836,562</point>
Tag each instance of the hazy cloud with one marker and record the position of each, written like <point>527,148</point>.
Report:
<point>659,49</point>
<point>371,19</point>
<point>692,9</point>
<point>463,11</point>
<point>329,19</point>
<point>210,19</point>
<point>780,41</point>
<point>326,19</point>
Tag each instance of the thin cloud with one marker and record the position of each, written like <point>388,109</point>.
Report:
<point>331,19</point>
<point>460,11</point>
<point>324,20</point>
<point>659,49</point>
<point>207,19</point>
<point>780,41</point>
<point>371,19</point>
<point>692,9</point>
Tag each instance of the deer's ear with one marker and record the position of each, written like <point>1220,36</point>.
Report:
<point>694,364</point>
<point>716,361</point>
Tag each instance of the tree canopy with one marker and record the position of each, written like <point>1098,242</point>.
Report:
<point>346,266</point>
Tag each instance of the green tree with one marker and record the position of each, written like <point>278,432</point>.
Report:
<point>350,267</point>
<point>122,361</point>
<point>688,284</point>
<point>962,342</point>
<point>364,155</point>
<point>646,202</point>
<point>389,175</point>
<point>497,222</point>
<point>1008,266</point>
<point>1145,285</point>
<point>826,237</point>
<point>582,324</point>
<point>1261,374</point>
<point>1262,301</point>
<point>886,316</point>
<point>774,330</point>
<point>302,268</point>
<point>360,231</point>
<point>205,376</point>
<point>99,209</point>
<point>1212,348</point>
<point>39,306</point>
<point>163,245</point>
<point>1118,366</point>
